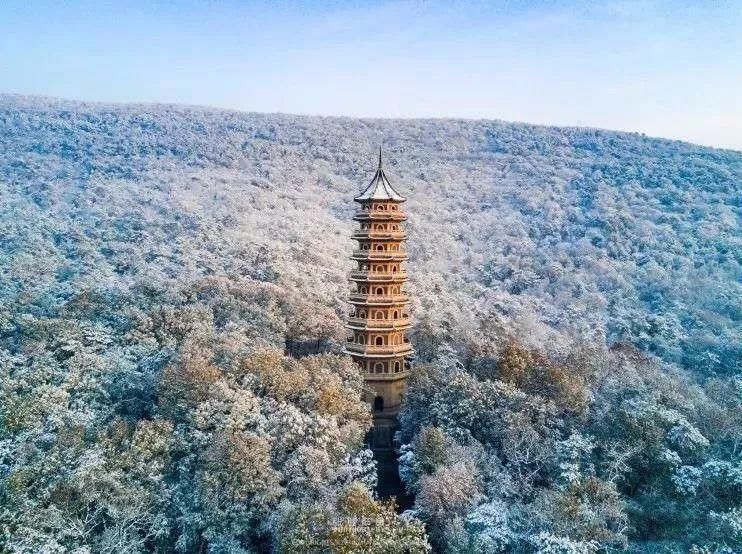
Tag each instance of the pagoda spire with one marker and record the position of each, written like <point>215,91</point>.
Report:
<point>379,188</point>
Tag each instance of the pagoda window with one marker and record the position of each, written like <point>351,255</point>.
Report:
<point>380,291</point>
<point>378,404</point>
<point>379,315</point>
<point>394,208</point>
<point>396,367</point>
<point>379,247</point>
<point>379,341</point>
<point>378,367</point>
<point>396,314</point>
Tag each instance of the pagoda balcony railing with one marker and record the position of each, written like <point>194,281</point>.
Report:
<point>366,323</point>
<point>377,276</point>
<point>379,216</point>
<point>373,376</point>
<point>378,299</point>
<point>386,350</point>
<point>380,254</point>
<point>379,208</point>
<point>381,235</point>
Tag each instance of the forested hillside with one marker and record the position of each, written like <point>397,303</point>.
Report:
<point>171,311</point>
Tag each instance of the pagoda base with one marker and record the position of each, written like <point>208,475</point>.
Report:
<point>388,396</point>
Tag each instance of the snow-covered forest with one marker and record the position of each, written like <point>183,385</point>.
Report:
<point>172,284</point>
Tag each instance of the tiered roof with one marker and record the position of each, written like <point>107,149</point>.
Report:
<point>379,188</point>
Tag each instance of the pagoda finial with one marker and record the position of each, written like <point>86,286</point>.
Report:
<point>379,188</point>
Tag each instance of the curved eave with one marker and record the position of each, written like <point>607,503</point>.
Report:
<point>376,281</point>
<point>376,303</point>
<point>400,353</point>
<point>395,257</point>
<point>379,189</point>
<point>380,328</point>
<point>379,216</point>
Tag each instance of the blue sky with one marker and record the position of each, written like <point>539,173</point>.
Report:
<point>670,69</point>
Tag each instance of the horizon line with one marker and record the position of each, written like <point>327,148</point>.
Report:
<point>210,107</point>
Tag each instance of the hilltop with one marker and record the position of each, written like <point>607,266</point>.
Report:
<point>560,234</point>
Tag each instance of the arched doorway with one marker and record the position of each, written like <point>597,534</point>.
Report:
<point>378,404</point>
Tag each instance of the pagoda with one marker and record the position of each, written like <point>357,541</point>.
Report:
<point>380,317</point>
